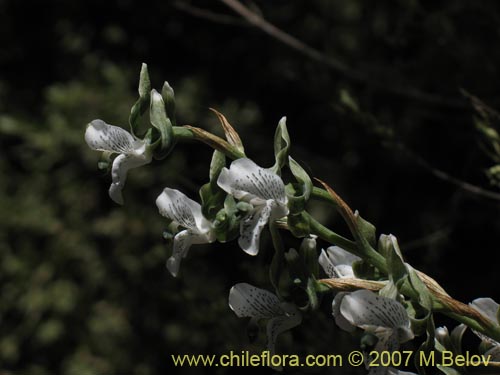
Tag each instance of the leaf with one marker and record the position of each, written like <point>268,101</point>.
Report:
<point>141,105</point>
<point>231,135</point>
<point>281,146</point>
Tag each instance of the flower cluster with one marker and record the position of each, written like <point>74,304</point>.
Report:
<point>379,295</point>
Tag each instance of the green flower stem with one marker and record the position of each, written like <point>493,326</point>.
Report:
<point>326,234</point>
<point>277,261</point>
<point>329,236</point>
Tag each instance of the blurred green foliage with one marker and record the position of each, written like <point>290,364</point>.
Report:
<point>83,286</point>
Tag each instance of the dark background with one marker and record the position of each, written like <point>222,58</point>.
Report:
<point>84,288</point>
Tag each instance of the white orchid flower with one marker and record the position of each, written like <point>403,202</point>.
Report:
<point>489,308</point>
<point>337,263</point>
<point>383,317</point>
<point>260,187</point>
<point>186,213</point>
<point>248,301</point>
<point>132,152</point>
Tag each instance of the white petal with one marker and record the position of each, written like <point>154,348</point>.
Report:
<point>185,212</point>
<point>342,322</point>
<point>327,265</point>
<point>387,339</point>
<point>364,308</point>
<point>104,137</point>
<point>251,228</point>
<point>342,260</point>
<point>488,307</point>
<point>246,181</point>
<point>248,301</point>
<point>121,165</point>
<point>182,243</point>
<point>291,318</point>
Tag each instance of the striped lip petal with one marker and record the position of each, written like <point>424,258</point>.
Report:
<point>251,227</point>
<point>327,265</point>
<point>337,263</point>
<point>182,243</point>
<point>104,137</point>
<point>182,210</point>
<point>364,309</point>
<point>246,181</point>
<point>248,301</point>
<point>119,170</point>
<point>277,325</point>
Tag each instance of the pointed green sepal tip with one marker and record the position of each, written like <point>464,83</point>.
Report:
<point>141,105</point>
<point>162,124</point>
<point>366,229</point>
<point>281,146</point>
<point>144,81</point>
<point>168,94</point>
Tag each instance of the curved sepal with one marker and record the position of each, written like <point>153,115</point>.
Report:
<point>162,123</point>
<point>281,146</point>
<point>298,194</point>
<point>366,229</point>
<point>168,95</point>
<point>141,105</point>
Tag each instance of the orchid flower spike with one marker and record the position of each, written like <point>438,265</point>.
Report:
<point>337,263</point>
<point>489,308</point>
<point>248,301</point>
<point>260,187</point>
<point>186,213</point>
<point>132,152</point>
<point>383,317</point>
